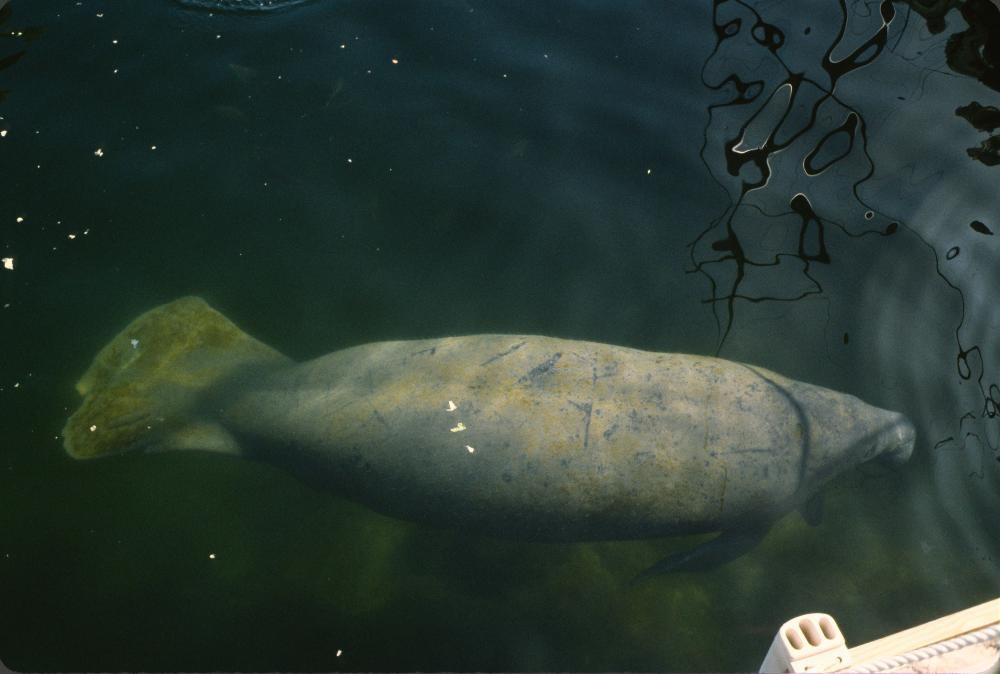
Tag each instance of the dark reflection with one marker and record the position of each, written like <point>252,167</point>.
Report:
<point>983,118</point>
<point>803,143</point>
<point>241,5</point>
<point>981,228</point>
<point>802,128</point>
<point>976,50</point>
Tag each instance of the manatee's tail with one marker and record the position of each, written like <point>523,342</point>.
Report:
<point>142,388</point>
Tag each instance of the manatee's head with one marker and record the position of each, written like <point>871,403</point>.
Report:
<point>895,442</point>
<point>844,432</point>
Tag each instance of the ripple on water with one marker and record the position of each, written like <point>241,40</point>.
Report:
<point>240,5</point>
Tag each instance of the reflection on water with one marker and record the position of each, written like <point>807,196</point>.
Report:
<point>834,196</point>
<point>240,5</point>
<point>809,187</point>
<point>790,151</point>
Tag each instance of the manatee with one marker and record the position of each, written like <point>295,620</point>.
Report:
<point>513,436</point>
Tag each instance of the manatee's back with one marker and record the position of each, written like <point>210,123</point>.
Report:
<point>535,437</point>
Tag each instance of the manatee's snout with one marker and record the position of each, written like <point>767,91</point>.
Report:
<point>897,442</point>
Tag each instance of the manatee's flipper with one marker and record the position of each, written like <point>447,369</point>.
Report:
<point>724,548</point>
<point>142,388</point>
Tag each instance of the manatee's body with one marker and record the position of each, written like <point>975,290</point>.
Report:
<point>516,436</point>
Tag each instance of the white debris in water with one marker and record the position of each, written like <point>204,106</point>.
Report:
<point>20,219</point>
<point>134,342</point>
<point>8,263</point>
<point>339,652</point>
<point>457,428</point>
<point>211,555</point>
<point>99,152</point>
<point>471,449</point>
<point>93,428</point>
<point>452,406</point>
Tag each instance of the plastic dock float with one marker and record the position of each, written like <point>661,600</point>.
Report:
<point>965,642</point>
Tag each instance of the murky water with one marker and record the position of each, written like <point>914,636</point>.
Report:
<point>807,187</point>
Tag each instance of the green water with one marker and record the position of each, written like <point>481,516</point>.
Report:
<point>334,173</point>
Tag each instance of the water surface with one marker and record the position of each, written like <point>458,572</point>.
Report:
<point>810,187</point>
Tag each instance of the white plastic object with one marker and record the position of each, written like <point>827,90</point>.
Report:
<point>809,643</point>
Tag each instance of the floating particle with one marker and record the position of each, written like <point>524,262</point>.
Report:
<point>452,406</point>
<point>458,427</point>
<point>93,428</point>
<point>99,152</point>
<point>8,263</point>
<point>471,449</point>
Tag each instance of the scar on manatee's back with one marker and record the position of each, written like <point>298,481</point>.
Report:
<point>500,355</point>
<point>587,409</point>
<point>540,370</point>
